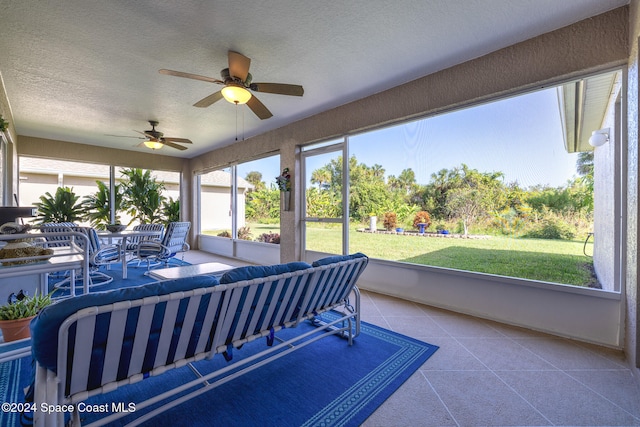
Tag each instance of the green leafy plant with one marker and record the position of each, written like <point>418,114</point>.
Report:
<point>284,180</point>
<point>4,125</point>
<point>170,210</point>
<point>63,207</point>
<point>97,208</point>
<point>552,228</point>
<point>23,307</point>
<point>142,195</point>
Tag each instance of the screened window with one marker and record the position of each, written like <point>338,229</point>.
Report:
<point>242,201</point>
<point>140,195</point>
<point>509,188</point>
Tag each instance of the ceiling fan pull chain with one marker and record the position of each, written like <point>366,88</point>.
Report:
<point>236,120</point>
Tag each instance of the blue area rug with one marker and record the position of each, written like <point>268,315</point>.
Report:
<point>326,383</point>
<point>135,277</point>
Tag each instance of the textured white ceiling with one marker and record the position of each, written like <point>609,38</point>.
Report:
<point>77,70</point>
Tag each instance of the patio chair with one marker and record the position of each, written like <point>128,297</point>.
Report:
<point>173,242</point>
<point>133,241</point>
<point>56,227</point>
<point>57,242</point>
<point>99,255</point>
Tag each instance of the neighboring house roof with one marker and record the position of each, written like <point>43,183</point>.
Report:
<point>220,178</point>
<point>583,106</point>
<point>53,167</point>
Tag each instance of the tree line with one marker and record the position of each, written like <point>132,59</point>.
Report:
<point>461,198</point>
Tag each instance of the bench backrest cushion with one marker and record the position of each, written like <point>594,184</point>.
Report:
<point>337,258</point>
<point>258,271</point>
<point>45,326</point>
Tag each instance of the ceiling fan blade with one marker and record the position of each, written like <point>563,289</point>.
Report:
<point>279,88</point>
<point>239,65</point>
<point>205,102</point>
<point>258,108</point>
<point>172,145</point>
<point>190,76</point>
<point>124,136</point>
<point>180,140</point>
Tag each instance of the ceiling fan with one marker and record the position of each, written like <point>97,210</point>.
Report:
<point>237,81</point>
<point>156,140</point>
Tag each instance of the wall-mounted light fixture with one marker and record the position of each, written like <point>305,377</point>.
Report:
<point>599,137</point>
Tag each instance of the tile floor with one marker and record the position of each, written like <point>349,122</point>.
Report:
<point>491,374</point>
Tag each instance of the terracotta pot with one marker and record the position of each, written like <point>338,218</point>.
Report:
<point>13,330</point>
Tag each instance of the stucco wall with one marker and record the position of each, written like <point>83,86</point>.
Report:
<point>606,195</point>
<point>632,335</point>
<point>53,149</point>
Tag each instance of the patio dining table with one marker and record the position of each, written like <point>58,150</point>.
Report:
<point>122,237</point>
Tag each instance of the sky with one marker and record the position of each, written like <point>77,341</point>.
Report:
<point>520,136</point>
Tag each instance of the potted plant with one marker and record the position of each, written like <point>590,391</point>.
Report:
<point>16,315</point>
<point>284,185</point>
<point>4,125</point>
<point>421,221</point>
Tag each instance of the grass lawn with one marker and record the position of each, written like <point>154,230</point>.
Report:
<point>557,261</point>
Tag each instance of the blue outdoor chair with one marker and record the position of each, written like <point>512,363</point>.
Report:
<point>99,255</point>
<point>173,242</point>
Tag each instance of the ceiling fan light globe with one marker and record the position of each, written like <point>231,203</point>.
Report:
<point>154,145</point>
<point>236,94</point>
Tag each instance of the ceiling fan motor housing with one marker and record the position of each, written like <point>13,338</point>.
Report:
<point>229,79</point>
<point>153,132</point>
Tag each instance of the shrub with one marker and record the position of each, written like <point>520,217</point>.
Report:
<point>440,225</point>
<point>422,217</point>
<point>244,233</point>
<point>269,238</point>
<point>390,221</point>
<point>552,228</point>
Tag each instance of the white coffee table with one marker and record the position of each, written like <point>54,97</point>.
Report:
<point>215,268</point>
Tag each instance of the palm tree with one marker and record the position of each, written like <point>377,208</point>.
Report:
<point>142,196</point>
<point>63,207</point>
<point>584,167</point>
<point>97,207</point>
<point>255,178</point>
<point>378,171</point>
<point>171,210</point>
<point>322,177</point>
<point>584,164</point>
